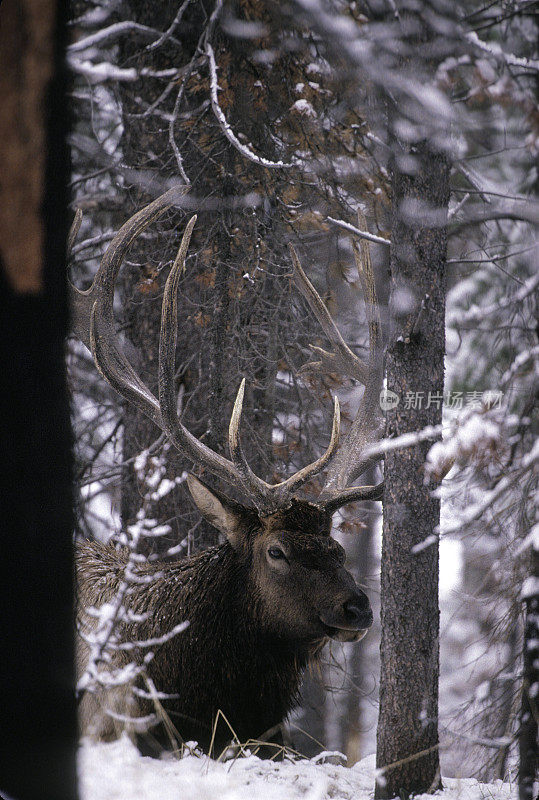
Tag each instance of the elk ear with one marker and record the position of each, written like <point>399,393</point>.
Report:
<point>224,514</point>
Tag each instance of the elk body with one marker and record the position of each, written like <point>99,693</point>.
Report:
<point>259,606</point>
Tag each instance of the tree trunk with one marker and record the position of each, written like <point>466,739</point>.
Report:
<point>408,723</point>
<point>527,736</point>
<point>38,730</point>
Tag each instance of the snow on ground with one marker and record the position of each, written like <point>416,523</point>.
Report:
<point>115,771</point>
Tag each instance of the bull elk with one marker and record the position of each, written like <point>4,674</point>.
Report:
<point>260,606</point>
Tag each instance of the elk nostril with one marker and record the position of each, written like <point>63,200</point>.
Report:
<point>358,612</point>
<point>352,612</point>
<point>362,602</point>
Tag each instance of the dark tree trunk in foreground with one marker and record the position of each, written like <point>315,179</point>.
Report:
<point>38,731</point>
<point>527,736</point>
<point>408,724</point>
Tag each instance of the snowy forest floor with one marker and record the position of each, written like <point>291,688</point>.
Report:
<point>116,771</point>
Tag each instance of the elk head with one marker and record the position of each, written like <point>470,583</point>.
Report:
<point>296,569</point>
<point>286,536</point>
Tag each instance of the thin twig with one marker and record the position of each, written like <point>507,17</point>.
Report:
<point>371,237</point>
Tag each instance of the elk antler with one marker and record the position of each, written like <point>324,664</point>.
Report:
<point>93,323</point>
<point>349,461</point>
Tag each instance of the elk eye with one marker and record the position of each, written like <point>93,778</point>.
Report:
<point>276,553</point>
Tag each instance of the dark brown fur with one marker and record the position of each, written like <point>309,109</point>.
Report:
<point>254,622</point>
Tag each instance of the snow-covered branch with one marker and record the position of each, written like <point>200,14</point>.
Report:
<point>371,237</point>
<point>104,71</point>
<point>104,637</point>
<point>477,314</point>
<point>155,641</point>
<point>494,50</point>
<point>113,32</point>
<point>474,437</point>
<point>520,361</point>
<point>245,150</point>
<point>475,511</point>
<point>406,440</point>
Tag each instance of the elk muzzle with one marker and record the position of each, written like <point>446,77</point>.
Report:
<point>349,619</point>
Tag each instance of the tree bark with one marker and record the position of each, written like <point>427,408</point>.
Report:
<point>38,730</point>
<point>527,735</point>
<point>407,738</point>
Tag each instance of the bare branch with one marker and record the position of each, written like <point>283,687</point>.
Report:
<point>170,30</point>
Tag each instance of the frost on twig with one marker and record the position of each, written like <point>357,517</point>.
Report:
<point>113,32</point>
<point>477,314</point>
<point>371,237</point>
<point>475,437</point>
<point>104,71</point>
<point>494,50</point>
<point>105,630</point>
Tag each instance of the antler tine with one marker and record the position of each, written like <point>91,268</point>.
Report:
<point>183,439</point>
<point>362,257</point>
<point>116,369</point>
<point>297,480</point>
<point>82,302</point>
<point>276,494</point>
<point>343,358</point>
<point>353,494</point>
<point>92,309</point>
<point>348,463</point>
<point>74,230</point>
<point>259,489</point>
